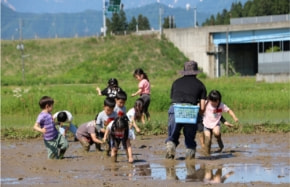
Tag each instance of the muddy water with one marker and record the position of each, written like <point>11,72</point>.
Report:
<point>258,159</point>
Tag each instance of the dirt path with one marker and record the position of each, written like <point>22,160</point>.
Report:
<point>258,159</point>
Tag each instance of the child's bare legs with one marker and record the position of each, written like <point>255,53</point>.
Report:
<point>129,151</point>
<point>114,152</point>
<point>217,134</point>
<point>201,139</point>
<point>207,141</point>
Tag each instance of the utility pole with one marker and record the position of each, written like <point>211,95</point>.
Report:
<point>20,47</point>
<point>227,53</point>
<point>104,18</point>
<point>194,17</point>
<point>160,21</point>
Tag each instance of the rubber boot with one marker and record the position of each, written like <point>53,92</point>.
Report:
<point>207,146</point>
<point>189,154</point>
<point>220,142</point>
<point>61,153</point>
<point>170,150</point>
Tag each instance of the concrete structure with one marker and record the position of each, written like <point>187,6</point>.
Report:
<point>212,46</point>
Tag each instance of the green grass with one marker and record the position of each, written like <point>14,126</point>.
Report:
<point>70,69</point>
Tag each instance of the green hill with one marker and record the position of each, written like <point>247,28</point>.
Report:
<point>88,60</point>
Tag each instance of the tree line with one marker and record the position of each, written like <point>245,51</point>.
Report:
<point>251,8</point>
<point>118,23</point>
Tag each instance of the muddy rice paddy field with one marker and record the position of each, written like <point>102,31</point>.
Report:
<point>247,160</point>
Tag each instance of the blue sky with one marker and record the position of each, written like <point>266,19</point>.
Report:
<point>56,6</point>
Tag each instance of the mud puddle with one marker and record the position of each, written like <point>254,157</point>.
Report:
<point>246,159</point>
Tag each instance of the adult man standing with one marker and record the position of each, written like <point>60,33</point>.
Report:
<point>187,89</point>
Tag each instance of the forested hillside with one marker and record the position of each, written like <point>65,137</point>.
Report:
<point>250,9</point>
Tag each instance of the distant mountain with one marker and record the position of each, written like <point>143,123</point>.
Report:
<point>74,6</point>
<point>89,22</point>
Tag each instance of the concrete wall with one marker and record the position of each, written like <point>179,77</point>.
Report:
<point>197,43</point>
<point>194,43</point>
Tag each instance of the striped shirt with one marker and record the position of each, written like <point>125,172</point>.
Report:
<point>46,121</point>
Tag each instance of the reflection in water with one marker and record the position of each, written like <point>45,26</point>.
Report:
<point>142,170</point>
<point>171,172</point>
<point>131,171</point>
<point>190,171</point>
<point>205,174</point>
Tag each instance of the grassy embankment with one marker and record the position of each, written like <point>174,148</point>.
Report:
<point>69,70</point>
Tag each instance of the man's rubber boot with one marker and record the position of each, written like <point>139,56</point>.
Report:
<point>189,154</point>
<point>170,150</point>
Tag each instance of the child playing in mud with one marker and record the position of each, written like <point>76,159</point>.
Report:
<point>144,90</point>
<point>111,90</point>
<point>55,143</point>
<point>211,120</point>
<point>120,100</point>
<point>105,117</point>
<point>62,117</point>
<point>135,115</point>
<point>87,135</point>
<point>117,132</point>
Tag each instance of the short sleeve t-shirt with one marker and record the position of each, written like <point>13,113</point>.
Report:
<point>121,111</point>
<point>144,85</point>
<point>131,114</point>
<point>111,92</point>
<point>86,129</point>
<point>103,119</point>
<point>212,115</point>
<point>46,121</point>
<point>69,116</point>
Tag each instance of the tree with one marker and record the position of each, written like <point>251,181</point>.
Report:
<point>169,22</point>
<point>251,8</point>
<point>132,25</point>
<point>143,23</point>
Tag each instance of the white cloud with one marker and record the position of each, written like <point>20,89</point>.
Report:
<point>187,6</point>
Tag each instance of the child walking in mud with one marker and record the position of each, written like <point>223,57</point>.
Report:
<point>105,117</point>
<point>55,143</point>
<point>211,120</point>
<point>135,115</point>
<point>118,132</point>
<point>144,90</point>
<point>120,100</point>
<point>111,90</point>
